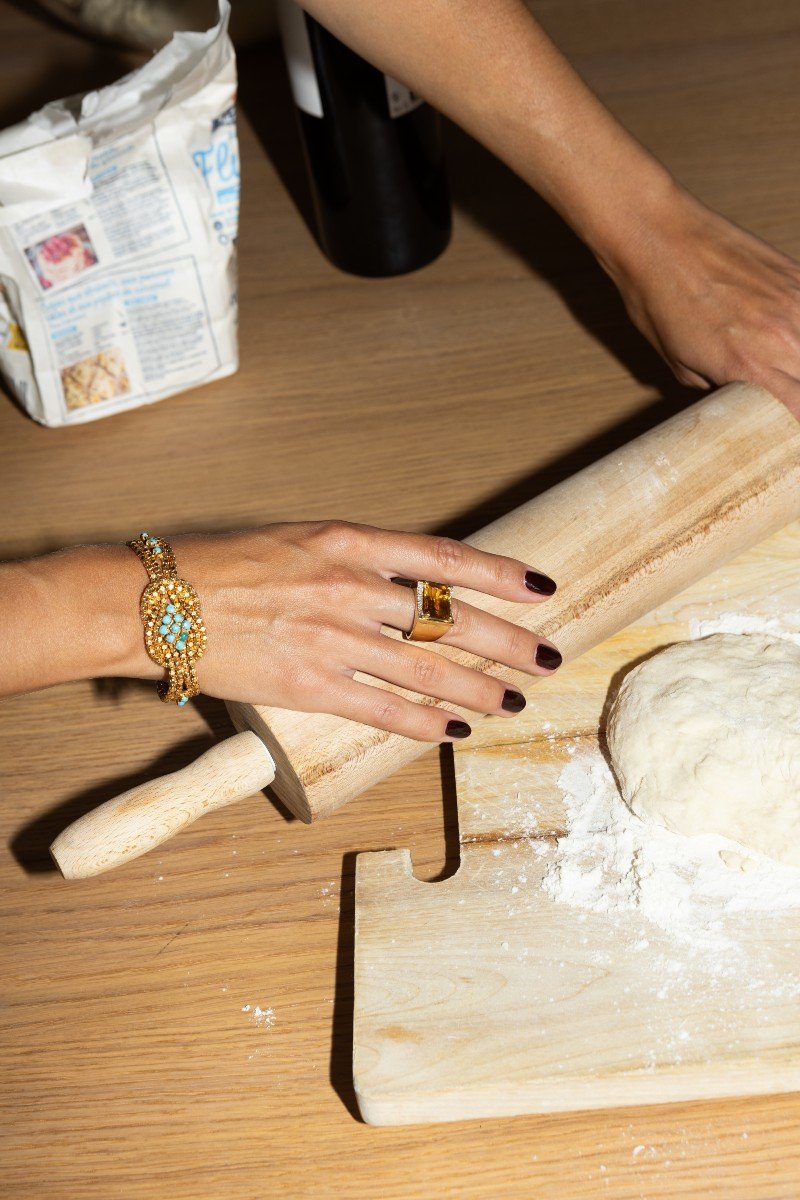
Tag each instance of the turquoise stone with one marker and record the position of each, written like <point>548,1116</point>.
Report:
<point>157,550</point>
<point>164,630</point>
<point>144,536</point>
<point>187,624</point>
<point>176,628</point>
<point>170,637</point>
<point>183,700</point>
<point>170,608</point>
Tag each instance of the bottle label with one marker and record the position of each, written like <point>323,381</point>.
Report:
<point>299,60</point>
<point>302,75</point>
<point>401,100</point>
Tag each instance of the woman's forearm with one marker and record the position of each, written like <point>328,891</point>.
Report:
<point>717,303</point>
<point>295,616</point>
<point>71,615</point>
<point>492,69</point>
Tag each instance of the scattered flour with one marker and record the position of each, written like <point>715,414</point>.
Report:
<point>265,1017</point>
<point>611,861</point>
<point>683,890</point>
<point>701,928</point>
<point>786,626</point>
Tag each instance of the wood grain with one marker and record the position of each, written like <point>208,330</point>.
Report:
<point>482,996</point>
<point>129,1072</point>
<point>624,535</point>
<point>149,815</point>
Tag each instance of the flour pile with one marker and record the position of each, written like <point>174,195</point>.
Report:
<point>610,861</point>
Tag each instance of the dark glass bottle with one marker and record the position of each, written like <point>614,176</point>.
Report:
<point>374,156</point>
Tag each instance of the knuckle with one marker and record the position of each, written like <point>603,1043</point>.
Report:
<point>335,587</point>
<point>489,695</point>
<point>430,727</point>
<point>786,330</point>
<point>461,621</point>
<point>386,713</point>
<point>449,554</point>
<point>519,645</point>
<point>308,688</point>
<point>746,366</point>
<point>503,572</point>
<point>335,535</point>
<point>319,639</point>
<point>427,670</point>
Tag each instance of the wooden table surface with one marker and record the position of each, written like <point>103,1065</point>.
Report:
<point>135,1064</point>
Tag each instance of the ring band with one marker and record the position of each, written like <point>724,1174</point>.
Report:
<point>433,612</point>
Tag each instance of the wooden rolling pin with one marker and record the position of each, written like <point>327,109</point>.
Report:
<point>620,537</point>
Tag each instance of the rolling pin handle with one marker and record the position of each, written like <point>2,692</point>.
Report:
<point>147,815</point>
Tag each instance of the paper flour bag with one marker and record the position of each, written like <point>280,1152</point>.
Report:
<point>118,222</point>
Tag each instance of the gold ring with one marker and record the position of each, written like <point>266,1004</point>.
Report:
<point>433,614</point>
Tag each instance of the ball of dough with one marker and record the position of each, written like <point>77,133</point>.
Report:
<point>705,738</point>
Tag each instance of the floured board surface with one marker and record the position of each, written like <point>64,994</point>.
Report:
<point>574,961</point>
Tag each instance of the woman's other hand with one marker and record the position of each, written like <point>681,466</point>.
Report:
<point>718,304</point>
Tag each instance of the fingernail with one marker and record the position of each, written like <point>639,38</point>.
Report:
<point>513,701</point>
<point>547,656</point>
<point>543,585</point>
<point>457,729</point>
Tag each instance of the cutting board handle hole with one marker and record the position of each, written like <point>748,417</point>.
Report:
<point>442,862</point>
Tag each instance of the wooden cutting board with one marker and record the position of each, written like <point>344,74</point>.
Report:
<point>474,998</point>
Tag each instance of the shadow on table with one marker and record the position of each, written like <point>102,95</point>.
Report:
<point>30,845</point>
<point>495,198</point>
<point>341,1060</point>
<point>562,467</point>
<point>265,98</point>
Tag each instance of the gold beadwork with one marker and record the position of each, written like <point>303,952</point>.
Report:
<point>178,645</point>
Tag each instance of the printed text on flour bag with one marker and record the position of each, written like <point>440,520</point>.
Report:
<point>218,163</point>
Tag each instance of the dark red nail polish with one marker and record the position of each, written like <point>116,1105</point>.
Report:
<point>458,729</point>
<point>513,701</point>
<point>547,656</point>
<point>543,585</point>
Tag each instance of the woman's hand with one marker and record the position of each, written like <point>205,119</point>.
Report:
<point>294,611</point>
<point>717,303</point>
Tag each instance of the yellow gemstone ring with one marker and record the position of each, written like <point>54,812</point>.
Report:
<point>433,613</point>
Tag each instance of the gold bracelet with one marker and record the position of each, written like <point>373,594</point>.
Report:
<point>174,633</point>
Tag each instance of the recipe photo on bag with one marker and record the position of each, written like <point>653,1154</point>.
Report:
<point>118,224</point>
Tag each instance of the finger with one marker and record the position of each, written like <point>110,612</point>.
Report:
<point>500,641</point>
<point>784,387</point>
<point>390,603</point>
<point>473,630</point>
<point>418,670</point>
<point>691,378</point>
<point>385,710</point>
<point>445,560</point>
